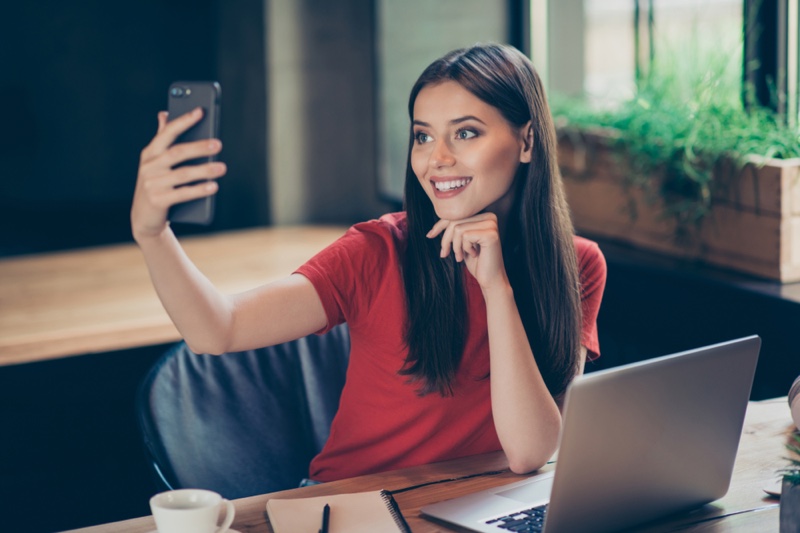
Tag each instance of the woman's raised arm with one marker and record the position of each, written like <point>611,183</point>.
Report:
<point>208,320</point>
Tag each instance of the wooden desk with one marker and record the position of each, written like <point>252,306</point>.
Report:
<point>100,299</point>
<point>746,508</point>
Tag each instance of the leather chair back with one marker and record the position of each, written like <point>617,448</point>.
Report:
<point>242,423</point>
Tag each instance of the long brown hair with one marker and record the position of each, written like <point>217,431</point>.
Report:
<point>538,247</point>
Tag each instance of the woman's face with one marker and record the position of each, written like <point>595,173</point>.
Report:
<point>465,154</point>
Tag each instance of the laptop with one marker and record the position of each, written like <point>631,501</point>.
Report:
<point>638,442</point>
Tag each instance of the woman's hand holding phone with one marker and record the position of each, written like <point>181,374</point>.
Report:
<point>161,183</point>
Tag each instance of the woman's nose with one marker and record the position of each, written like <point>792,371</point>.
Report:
<point>442,156</point>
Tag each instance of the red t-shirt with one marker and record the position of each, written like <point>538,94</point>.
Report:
<point>382,424</point>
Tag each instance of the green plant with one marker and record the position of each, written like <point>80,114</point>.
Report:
<point>791,473</point>
<point>685,122</point>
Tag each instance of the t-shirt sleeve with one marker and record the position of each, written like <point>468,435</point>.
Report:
<point>592,266</point>
<point>339,272</point>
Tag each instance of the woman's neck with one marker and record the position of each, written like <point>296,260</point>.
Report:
<point>501,209</point>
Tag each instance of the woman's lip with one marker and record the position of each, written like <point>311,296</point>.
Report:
<point>454,185</point>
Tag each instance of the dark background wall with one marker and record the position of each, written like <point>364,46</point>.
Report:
<point>80,85</point>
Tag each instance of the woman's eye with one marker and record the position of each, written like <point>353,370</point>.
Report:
<point>422,137</point>
<point>465,134</point>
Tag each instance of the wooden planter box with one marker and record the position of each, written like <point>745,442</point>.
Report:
<point>753,226</point>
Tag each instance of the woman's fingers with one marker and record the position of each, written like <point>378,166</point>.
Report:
<point>161,168</point>
<point>468,239</point>
<point>462,237</point>
<point>164,163</point>
<point>163,193</point>
<point>182,152</point>
<point>437,228</point>
<point>175,127</point>
<point>169,131</point>
<point>457,238</point>
<point>476,242</point>
<point>163,182</point>
<point>447,241</point>
<point>162,121</point>
<point>451,240</point>
<point>191,173</point>
<point>190,192</point>
<point>183,176</point>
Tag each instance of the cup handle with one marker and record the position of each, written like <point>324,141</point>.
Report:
<point>230,512</point>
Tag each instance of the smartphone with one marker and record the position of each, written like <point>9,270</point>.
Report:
<point>184,96</point>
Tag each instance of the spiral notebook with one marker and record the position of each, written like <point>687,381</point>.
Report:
<point>358,512</point>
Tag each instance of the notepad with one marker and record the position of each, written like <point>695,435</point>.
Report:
<point>358,512</point>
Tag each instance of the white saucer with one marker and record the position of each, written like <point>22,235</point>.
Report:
<point>773,489</point>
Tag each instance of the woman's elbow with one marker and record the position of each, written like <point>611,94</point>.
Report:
<point>210,347</point>
<point>526,465</point>
<point>526,457</point>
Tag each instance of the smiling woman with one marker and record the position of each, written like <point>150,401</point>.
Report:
<point>468,314</point>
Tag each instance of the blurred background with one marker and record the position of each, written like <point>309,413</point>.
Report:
<point>315,129</point>
<point>314,95</point>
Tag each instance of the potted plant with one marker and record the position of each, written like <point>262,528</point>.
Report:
<point>790,490</point>
<point>684,167</point>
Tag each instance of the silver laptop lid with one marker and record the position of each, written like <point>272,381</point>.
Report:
<point>644,440</point>
<point>638,442</point>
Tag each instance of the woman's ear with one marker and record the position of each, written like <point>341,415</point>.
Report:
<point>526,148</point>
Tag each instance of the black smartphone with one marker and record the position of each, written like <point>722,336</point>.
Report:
<point>184,96</point>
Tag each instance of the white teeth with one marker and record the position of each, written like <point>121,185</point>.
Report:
<point>450,185</point>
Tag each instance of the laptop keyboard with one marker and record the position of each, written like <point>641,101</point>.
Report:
<point>527,521</point>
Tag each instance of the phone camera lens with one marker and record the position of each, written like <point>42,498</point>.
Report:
<point>176,91</point>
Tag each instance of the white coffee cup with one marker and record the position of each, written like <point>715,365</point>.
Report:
<point>190,511</point>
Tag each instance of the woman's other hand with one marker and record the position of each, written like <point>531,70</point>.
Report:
<point>476,242</point>
<point>160,185</point>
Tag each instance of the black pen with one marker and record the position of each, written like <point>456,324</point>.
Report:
<point>326,516</point>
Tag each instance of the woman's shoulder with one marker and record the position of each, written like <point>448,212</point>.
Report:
<point>391,228</point>
<point>586,247</point>
<point>591,261</point>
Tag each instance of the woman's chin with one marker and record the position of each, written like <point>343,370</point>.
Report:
<point>453,214</point>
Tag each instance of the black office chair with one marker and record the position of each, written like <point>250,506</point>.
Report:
<point>242,423</point>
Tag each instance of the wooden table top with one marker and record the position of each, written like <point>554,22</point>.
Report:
<point>101,299</point>
<point>745,508</point>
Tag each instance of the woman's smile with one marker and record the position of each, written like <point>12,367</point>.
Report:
<point>447,187</point>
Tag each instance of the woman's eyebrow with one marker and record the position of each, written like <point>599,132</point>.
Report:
<point>465,119</point>
<point>458,120</point>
